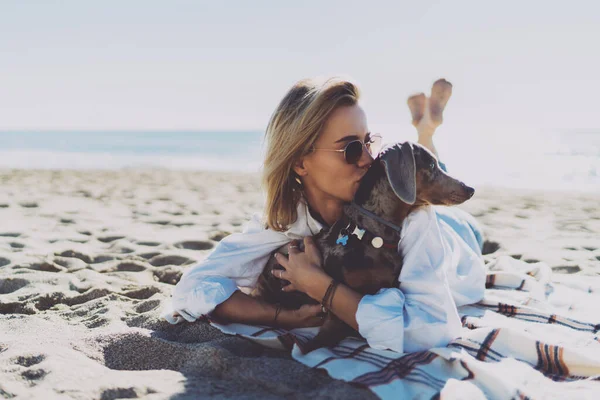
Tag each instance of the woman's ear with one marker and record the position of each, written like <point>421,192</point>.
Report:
<point>300,168</point>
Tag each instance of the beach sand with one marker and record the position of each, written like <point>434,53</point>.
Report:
<point>87,257</point>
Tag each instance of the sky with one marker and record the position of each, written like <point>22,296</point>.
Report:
<point>518,67</point>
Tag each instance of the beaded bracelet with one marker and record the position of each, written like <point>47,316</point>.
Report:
<point>329,294</point>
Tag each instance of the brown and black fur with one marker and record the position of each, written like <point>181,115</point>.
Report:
<point>402,178</point>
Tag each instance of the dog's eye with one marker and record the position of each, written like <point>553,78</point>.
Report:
<point>432,166</point>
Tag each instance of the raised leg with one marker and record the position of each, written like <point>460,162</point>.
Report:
<point>416,103</point>
<point>427,112</point>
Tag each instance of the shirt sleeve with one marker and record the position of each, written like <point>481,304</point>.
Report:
<point>236,261</point>
<point>421,313</point>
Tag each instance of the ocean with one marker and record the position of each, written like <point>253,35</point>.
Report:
<point>567,161</point>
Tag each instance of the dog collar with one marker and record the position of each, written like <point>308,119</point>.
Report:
<point>364,236</point>
<point>376,217</point>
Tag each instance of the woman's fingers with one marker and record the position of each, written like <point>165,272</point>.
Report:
<point>289,288</point>
<point>312,250</point>
<point>279,273</point>
<point>293,247</point>
<point>282,260</point>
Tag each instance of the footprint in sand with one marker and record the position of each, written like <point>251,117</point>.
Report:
<point>149,255</point>
<point>108,239</point>
<point>29,205</point>
<point>70,263</point>
<point>566,269</point>
<point>120,249</point>
<point>490,247</point>
<point>10,234</point>
<point>4,205</point>
<point>9,285</point>
<point>194,245</point>
<point>44,266</point>
<point>103,258</point>
<point>174,213</point>
<point>34,375</point>
<point>75,254</point>
<point>166,259</point>
<point>16,245</point>
<point>142,293</point>
<point>160,222</point>
<point>4,261</point>
<point>218,236</point>
<point>96,321</point>
<point>130,266</point>
<point>149,244</point>
<point>168,275</point>
<point>29,360</point>
<point>121,393</point>
<point>16,307</point>
<point>180,224</point>
<point>146,306</point>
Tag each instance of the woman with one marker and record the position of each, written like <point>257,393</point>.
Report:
<point>311,169</point>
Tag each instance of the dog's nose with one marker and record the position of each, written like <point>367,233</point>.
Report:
<point>468,190</point>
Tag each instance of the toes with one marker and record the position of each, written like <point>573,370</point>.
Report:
<point>416,104</point>
<point>440,94</point>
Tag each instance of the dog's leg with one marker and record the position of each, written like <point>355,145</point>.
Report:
<point>331,333</point>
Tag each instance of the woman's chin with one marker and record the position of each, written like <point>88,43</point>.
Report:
<point>353,191</point>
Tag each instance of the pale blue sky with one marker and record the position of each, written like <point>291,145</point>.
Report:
<point>516,66</point>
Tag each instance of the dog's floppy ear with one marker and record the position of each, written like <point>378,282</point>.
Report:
<point>399,164</point>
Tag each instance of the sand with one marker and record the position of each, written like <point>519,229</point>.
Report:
<point>86,257</point>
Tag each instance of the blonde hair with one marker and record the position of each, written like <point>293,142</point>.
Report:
<point>292,130</point>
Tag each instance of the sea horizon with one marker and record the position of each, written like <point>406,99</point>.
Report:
<point>564,161</point>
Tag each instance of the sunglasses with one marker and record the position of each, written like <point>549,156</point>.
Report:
<point>354,149</point>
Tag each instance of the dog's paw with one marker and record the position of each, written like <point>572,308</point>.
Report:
<point>416,104</point>
<point>440,94</point>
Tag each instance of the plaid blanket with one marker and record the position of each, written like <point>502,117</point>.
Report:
<point>534,335</point>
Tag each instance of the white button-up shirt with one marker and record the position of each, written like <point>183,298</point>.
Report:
<point>440,272</point>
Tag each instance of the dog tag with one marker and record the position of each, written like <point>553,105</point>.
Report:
<point>359,233</point>
<point>377,242</point>
<point>342,240</point>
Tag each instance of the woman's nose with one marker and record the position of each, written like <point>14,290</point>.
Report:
<point>366,159</point>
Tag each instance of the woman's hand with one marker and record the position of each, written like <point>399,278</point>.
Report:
<point>303,269</point>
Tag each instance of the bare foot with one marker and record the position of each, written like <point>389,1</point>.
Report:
<point>416,103</point>
<point>440,94</point>
<point>427,112</point>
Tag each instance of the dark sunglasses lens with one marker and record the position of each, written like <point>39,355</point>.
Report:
<point>354,152</point>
